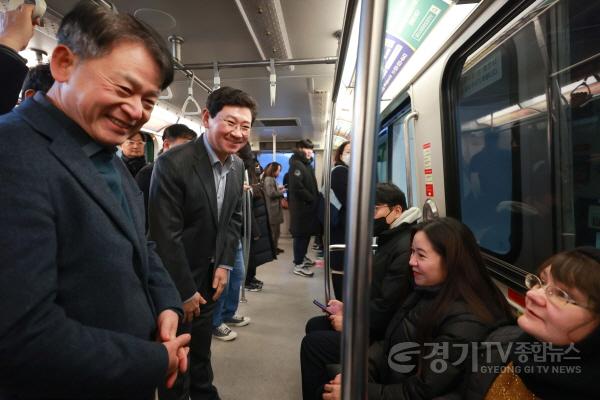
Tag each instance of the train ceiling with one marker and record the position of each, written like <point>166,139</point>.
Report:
<point>247,30</point>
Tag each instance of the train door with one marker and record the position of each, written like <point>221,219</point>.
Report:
<point>383,155</point>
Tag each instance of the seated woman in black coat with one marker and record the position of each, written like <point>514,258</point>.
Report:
<point>554,353</point>
<point>425,351</point>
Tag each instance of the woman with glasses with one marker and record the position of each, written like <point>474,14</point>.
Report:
<point>554,353</point>
<point>425,353</point>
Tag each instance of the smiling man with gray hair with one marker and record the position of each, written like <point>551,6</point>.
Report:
<point>88,309</point>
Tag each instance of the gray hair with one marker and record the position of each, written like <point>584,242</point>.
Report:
<point>91,31</point>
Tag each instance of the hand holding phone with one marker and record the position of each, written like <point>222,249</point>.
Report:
<point>321,306</point>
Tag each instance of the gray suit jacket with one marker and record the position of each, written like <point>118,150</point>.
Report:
<point>182,213</point>
<point>80,287</point>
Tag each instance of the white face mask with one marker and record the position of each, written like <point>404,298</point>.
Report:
<point>346,158</point>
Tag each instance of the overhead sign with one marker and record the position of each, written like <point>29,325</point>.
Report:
<point>408,24</point>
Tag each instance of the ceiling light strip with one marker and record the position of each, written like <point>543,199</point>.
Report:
<point>250,29</point>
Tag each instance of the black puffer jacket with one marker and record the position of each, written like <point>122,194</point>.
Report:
<point>391,282</point>
<point>458,327</point>
<point>302,196</point>
<point>261,246</point>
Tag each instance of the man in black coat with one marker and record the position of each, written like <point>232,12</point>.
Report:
<point>195,217</point>
<point>86,301</point>
<point>390,286</point>
<point>134,153</point>
<point>16,29</point>
<point>173,135</point>
<point>303,198</point>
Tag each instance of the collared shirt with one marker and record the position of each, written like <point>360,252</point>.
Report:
<point>220,171</point>
<point>102,157</point>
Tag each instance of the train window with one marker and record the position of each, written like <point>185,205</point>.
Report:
<point>398,170</point>
<point>526,107</point>
<point>382,155</point>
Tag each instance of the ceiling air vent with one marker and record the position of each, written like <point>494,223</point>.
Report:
<point>276,122</point>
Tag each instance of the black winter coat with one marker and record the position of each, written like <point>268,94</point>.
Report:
<point>13,70</point>
<point>339,185</point>
<point>302,197</point>
<point>261,247</point>
<point>459,326</point>
<point>391,281</point>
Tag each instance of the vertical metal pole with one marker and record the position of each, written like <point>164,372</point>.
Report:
<point>247,220</point>
<point>359,217</point>
<point>326,194</point>
<point>274,145</point>
<point>407,157</point>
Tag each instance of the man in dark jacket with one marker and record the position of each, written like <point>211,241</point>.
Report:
<point>134,155</point>
<point>16,29</point>
<point>195,215</point>
<point>173,135</point>
<point>303,202</point>
<point>390,286</point>
<point>88,309</point>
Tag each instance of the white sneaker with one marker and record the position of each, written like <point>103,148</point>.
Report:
<point>303,270</point>
<point>238,320</point>
<point>224,333</point>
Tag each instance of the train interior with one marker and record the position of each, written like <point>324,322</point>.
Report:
<point>498,113</point>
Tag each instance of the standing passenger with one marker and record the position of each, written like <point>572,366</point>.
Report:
<point>302,198</point>
<point>134,155</point>
<point>339,186</point>
<point>273,196</point>
<point>38,78</point>
<point>85,300</point>
<point>16,29</point>
<point>173,135</point>
<point>195,217</point>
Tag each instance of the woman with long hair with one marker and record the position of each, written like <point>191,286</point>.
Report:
<point>425,353</point>
<point>273,196</point>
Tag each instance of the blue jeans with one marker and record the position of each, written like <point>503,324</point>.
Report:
<point>227,304</point>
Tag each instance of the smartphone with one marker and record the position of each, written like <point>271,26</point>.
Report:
<point>321,306</point>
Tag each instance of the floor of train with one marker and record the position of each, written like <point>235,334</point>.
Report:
<point>263,362</point>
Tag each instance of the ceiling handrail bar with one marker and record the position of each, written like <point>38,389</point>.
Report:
<point>257,63</point>
<point>190,101</point>
<point>351,6</point>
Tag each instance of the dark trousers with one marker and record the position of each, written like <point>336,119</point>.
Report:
<point>320,347</point>
<point>300,248</point>
<point>197,381</point>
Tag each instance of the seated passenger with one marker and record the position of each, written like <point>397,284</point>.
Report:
<point>559,332</point>
<point>390,286</point>
<point>425,351</point>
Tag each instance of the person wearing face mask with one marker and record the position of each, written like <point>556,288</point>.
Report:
<point>339,186</point>
<point>390,286</point>
<point>426,350</point>
<point>303,203</point>
<point>562,313</point>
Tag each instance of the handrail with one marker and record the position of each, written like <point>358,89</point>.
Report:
<point>327,209</point>
<point>246,239</point>
<point>359,216</point>
<point>407,156</point>
<point>343,47</point>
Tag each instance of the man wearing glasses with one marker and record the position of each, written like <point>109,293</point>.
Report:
<point>195,218</point>
<point>133,153</point>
